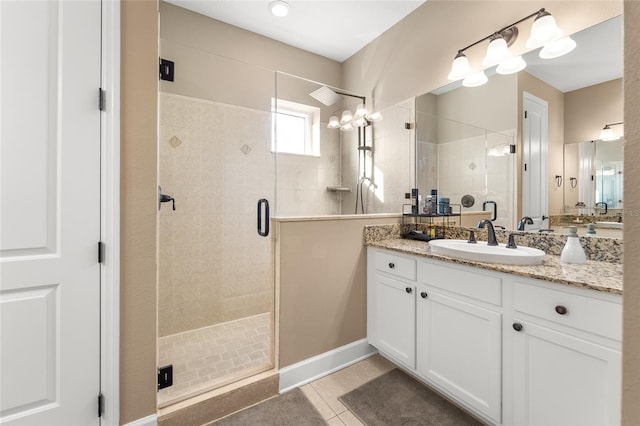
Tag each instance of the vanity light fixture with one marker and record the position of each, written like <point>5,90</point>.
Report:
<point>544,32</point>
<point>279,8</point>
<point>608,134</point>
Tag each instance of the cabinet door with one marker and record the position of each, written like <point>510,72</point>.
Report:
<point>392,315</point>
<point>559,379</point>
<point>459,350</point>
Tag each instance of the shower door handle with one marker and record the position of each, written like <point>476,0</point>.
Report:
<point>263,226</point>
<point>494,214</point>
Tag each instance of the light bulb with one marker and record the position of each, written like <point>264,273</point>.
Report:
<point>374,116</point>
<point>497,51</point>
<point>360,122</point>
<point>608,134</point>
<point>511,66</point>
<point>334,123</point>
<point>347,117</point>
<point>460,67</point>
<point>476,79</point>
<point>543,31</point>
<point>279,8</point>
<point>346,127</point>
<point>361,111</point>
<point>557,48</point>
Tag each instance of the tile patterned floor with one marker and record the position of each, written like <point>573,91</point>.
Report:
<point>324,392</point>
<point>211,357</point>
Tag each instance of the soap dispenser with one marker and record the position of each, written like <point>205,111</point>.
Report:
<point>573,251</point>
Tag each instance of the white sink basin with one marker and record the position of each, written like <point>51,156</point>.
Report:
<point>481,252</point>
<point>613,225</point>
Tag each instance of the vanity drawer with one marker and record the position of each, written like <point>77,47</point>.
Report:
<point>585,313</point>
<point>396,265</point>
<point>469,283</point>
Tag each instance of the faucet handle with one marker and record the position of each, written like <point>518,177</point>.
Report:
<point>472,238</point>
<point>511,243</point>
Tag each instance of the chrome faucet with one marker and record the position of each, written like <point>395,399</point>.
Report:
<point>525,220</point>
<point>491,233</point>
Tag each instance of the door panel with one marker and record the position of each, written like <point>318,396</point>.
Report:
<point>534,172</point>
<point>49,212</point>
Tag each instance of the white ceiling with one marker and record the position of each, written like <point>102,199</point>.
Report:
<point>335,29</point>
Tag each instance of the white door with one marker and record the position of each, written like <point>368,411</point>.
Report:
<point>535,135</point>
<point>49,212</point>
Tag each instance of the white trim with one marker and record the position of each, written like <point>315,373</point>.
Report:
<point>326,363</point>
<point>110,217</point>
<point>151,420</point>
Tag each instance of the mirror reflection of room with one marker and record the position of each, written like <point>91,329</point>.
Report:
<point>582,94</point>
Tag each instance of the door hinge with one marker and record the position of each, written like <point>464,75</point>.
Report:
<point>167,70</point>
<point>101,99</point>
<point>525,114</point>
<point>100,405</point>
<point>100,252</point>
<point>165,376</point>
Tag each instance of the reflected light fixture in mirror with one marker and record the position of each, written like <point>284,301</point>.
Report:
<point>476,79</point>
<point>279,8</point>
<point>608,134</point>
<point>544,32</point>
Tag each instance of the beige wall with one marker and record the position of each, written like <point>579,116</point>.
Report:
<point>220,62</point>
<point>631,300</point>
<point>323,285</point>
<point>138,174</point>
<point>587,110</point>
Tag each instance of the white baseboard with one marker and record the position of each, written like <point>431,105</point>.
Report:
<point>151,420</point>
<point>321,365</point>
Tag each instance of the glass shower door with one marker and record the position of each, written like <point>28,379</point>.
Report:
<point>215,257</point>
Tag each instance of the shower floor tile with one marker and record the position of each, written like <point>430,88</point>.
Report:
<point>211,357</point>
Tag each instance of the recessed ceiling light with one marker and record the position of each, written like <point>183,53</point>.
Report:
<point>279,8</point>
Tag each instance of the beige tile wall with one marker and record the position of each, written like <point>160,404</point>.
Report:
<point>302,180</point>
<point>215,160</point>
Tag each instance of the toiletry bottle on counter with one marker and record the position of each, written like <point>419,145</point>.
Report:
<point>591,229</point>
<point>573,251</point>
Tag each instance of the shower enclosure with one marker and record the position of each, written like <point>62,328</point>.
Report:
<point>239,145</point>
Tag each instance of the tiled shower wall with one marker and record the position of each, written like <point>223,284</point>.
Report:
<point>390,164</point>
<point>215,160</point>
<point>303,180</point>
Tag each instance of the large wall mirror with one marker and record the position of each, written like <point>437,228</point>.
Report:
<point>469,140</point>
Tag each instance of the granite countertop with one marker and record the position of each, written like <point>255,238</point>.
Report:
<point>594,275</point>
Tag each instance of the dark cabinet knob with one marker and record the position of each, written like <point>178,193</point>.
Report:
<point>517,326</point>
<point>423,295</point>
<point>561,309</point>
<point>392,265</point>
<point>408,290</point>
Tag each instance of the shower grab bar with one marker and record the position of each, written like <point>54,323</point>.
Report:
<point>261,225</point>
<point>494,215</point>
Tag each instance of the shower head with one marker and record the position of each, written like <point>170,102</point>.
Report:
<point>326,96</point>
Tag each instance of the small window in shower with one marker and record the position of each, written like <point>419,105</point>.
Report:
<point>295,128</point>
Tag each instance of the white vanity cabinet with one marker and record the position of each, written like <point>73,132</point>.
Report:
<point>513,350</point>
<point>391,295</point>
<point>563,356</point>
